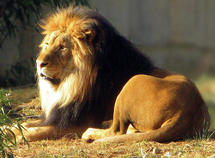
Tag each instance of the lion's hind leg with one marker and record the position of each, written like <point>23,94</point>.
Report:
<point>170,131</point>
<point>119,126</point>
<point>92,134</point>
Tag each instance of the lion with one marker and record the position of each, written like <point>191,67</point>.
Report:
<point>85,66</point>
<point>160,107</point>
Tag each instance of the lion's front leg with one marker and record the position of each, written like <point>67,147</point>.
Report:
<point>34,123</point>
<point>21,130</point>
<point>39,133</point>
<point>34,131</point>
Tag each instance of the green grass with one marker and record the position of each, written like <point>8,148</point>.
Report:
<point>7,137</point>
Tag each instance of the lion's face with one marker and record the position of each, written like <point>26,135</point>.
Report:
<point>55,55</point>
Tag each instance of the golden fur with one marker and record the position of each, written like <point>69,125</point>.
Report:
<point>160,107</point>
<point>82,67</point>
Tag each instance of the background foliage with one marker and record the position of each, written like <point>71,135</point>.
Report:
<point>15,14</point>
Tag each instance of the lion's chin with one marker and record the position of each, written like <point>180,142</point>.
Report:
<point>52,80</point>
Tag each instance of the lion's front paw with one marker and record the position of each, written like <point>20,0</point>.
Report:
<point>14,133</point>
<point>19,134</point>
<point>92,134</point>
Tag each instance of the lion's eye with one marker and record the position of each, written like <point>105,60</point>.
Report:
<point>62,47</point>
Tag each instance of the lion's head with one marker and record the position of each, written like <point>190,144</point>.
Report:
<point>66,47</point>
<point>83,64</point>
<point>65,65</point>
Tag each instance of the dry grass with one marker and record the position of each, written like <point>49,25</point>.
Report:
<point>66,147</point>
<point>76,148</point>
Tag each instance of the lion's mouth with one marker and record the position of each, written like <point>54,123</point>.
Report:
<point>52,80</point>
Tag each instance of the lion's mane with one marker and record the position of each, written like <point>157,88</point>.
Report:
<point>104,61</point>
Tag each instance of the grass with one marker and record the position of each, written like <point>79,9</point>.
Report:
<point>77,148</point>
<point>7,143</point>
<point>8,119</point>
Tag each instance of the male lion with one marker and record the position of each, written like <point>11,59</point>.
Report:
<point>82,67</point>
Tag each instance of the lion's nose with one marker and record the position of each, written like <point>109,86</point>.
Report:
<point>41,64</point>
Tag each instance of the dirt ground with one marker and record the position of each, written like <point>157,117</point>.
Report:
<point>66,148</point>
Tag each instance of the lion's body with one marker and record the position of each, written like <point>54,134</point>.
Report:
<point>164,107</point>
<point>82,67</point>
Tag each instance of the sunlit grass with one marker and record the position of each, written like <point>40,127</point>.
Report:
<point>7,137</point>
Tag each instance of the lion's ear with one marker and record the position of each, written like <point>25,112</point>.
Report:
<point>85,30</point>
<point>90,35</point>
<point>87,35</point>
